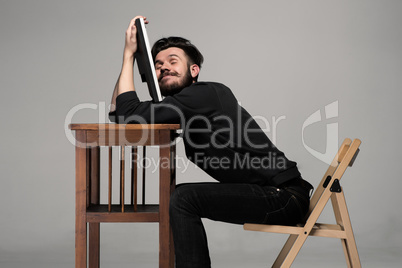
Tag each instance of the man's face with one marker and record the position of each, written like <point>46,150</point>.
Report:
<point>172,71</point>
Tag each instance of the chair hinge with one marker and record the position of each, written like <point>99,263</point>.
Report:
<point>336,186</point>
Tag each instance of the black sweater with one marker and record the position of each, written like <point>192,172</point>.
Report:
<point>219,135</point>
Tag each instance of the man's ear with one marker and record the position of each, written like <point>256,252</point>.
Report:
<point>194,70</point>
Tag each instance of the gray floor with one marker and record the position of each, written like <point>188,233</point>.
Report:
<point>118,258</point>
<point>123,246</point>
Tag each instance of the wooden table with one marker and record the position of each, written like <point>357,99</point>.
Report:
<point>90,213</point>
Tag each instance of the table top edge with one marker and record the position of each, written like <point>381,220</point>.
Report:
<point>112,126</point>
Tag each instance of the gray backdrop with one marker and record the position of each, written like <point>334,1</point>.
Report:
<point>284,60</point>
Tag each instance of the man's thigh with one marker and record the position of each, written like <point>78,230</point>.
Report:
<point>233,203</point>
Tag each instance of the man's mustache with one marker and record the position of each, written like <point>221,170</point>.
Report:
<point>166,74</point>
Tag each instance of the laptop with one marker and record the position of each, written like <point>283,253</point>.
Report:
<point>145,61</point>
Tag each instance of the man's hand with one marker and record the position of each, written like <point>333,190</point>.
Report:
<point>125,82</point>
<point>131,37</point>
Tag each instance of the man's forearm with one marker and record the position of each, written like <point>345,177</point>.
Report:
<point>125,82</point>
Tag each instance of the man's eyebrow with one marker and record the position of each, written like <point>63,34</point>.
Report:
<point>174,55</point>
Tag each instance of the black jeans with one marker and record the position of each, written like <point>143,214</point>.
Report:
<point>232,203</point>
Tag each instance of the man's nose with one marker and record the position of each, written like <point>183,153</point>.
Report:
<point>164,68</point>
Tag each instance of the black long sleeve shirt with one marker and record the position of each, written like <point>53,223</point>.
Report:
<point>219,135</point>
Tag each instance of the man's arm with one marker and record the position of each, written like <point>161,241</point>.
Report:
<point>125,82</point>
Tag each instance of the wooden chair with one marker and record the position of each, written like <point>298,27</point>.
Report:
<point>329,187</point>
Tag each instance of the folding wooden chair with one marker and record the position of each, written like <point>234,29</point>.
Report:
<point>329,187</point>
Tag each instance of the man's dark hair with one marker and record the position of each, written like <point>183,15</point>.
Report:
<point>193,54</point>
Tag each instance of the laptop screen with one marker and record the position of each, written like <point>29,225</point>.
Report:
<point>145,62</point>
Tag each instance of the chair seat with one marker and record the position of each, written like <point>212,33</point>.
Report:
<point>319,229</point>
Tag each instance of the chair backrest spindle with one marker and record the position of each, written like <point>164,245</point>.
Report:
<point>110,180</point>
<point>134,151</point>
<point>122,169</point>
<point>143,173</point>
<point>134,176</point>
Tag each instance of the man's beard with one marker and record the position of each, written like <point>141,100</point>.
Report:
<point>177,86</point>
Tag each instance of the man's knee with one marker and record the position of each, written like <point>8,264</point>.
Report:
<point>182,198</point>
<point>174,200</point>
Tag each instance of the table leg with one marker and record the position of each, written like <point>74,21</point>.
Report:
<point>166,251</point>
<point>94,245</point>
<point>80,203</point>
<point>94,228</point>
